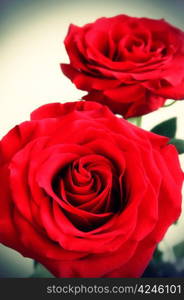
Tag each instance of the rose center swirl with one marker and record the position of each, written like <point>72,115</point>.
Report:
<point>88,189</point>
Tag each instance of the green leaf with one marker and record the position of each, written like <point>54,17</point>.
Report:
<point>166,128</point>
<point>179,250</point>
<point>179,144</point>
<point>41,272</point>
<point>158,255</point>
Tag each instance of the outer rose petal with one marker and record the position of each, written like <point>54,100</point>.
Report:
<point>133,65</point>
<point>168,91</point>
<point>10,236</point>
<point>145,101</point>
<point>86,82</point>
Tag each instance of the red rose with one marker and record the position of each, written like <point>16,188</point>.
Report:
<point>85,193</point>
<point>130,64</point>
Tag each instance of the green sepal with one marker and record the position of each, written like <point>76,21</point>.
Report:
<point>166,128</point>
<point>179,144</point>
<point>40,272</point>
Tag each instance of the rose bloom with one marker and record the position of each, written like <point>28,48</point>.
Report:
<point>130,64</point>
<point>86,193</point>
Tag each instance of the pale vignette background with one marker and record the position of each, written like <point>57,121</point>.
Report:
<point>31,38</point>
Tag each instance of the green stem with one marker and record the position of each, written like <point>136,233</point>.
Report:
<point>139,121</point>
<point>167,105</point>
<point>136,121</point>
